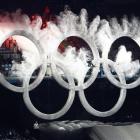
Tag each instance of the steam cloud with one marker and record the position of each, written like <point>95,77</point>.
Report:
<point>100,33</point>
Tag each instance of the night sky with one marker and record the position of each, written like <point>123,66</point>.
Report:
<point>104,8</point>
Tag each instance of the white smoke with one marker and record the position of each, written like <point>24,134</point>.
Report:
<point>110,31</point>
<point>100,33</point>
<point>75,61</point>
<point>124,61</point>
<point>10,22</point>
<point>31,57</point>
<point>70,24</point>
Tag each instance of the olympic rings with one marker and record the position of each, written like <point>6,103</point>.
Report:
<point>113,110</point>
<point>56,115</point>
<point>92,77</point>
<point>70,84</point>
<point>112,79</point>
<point>42,71</point>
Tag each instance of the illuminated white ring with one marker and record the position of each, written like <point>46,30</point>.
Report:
<point>52,116</point>
<point>43,66</point>
<point>92,77</point>
<point>112,79</point>
<point>110,112</point>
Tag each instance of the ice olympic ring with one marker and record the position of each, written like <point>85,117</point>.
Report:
<point>52,116</point>
<point>115,108</point>
<point>94,71</point>
<point>42,70</point>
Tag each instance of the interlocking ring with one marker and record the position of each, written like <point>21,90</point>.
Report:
<point>43,66</point>
<point>52,116</point>
<point>114,109</point>
<point>84,101</point>
<point>93,75</point>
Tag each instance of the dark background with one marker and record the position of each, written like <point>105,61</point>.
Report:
<point>12,107</point>
<point>104,8</point>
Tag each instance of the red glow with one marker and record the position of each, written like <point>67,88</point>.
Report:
<point>34,17</point>
<point>47,10</point>
<point>45,17</point>
<point>44,25</point>
<point>10,43</point>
